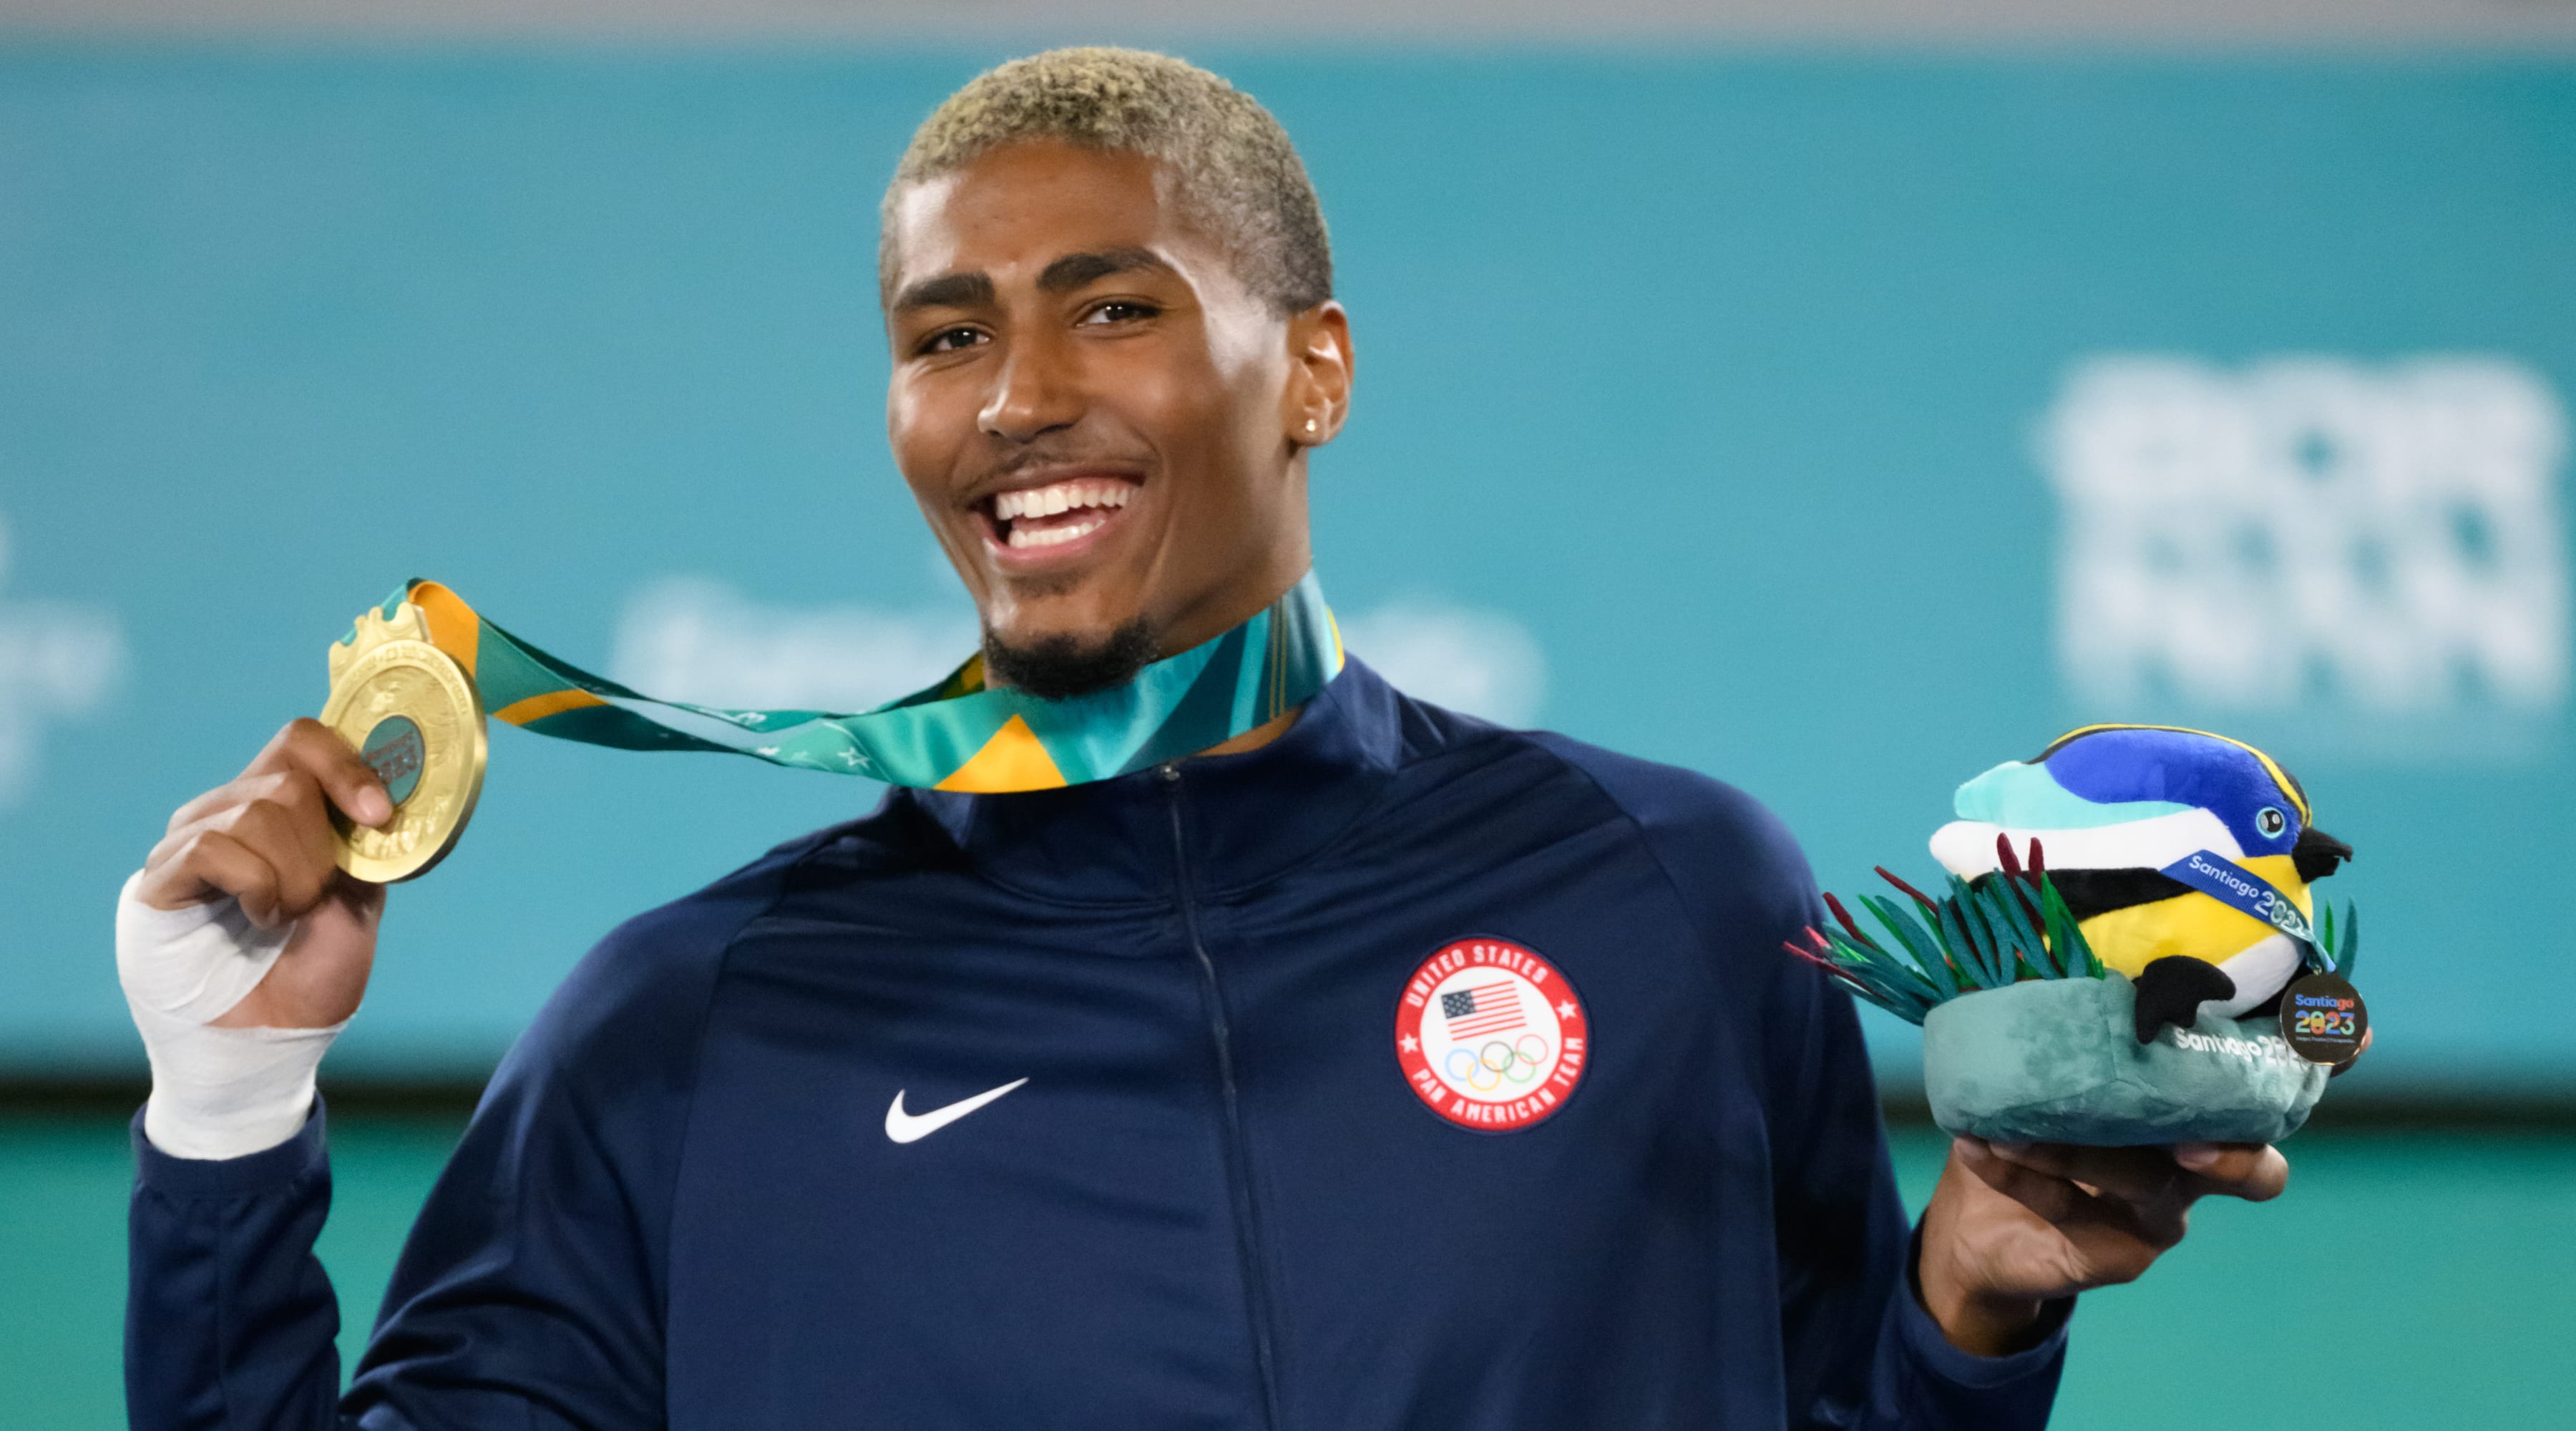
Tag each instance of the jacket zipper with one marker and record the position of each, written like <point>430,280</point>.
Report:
<point>1238,1159</point>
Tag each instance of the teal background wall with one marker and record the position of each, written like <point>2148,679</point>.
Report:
<point>1726,380</point>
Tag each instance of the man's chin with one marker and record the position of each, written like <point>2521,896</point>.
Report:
<point>1061,665</point>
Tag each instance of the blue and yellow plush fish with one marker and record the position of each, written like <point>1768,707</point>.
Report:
<point>2120,811</point>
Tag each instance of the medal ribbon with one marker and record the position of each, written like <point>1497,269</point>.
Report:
<point>958,735</point>
<point>2241,889</point>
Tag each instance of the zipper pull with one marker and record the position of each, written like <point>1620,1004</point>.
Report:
<point>1171,772</point>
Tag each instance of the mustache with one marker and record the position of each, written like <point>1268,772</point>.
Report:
<point>1051,451</point>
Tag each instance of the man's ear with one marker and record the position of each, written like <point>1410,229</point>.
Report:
<point>1318,394</point>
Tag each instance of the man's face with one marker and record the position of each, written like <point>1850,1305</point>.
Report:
<point>1104,428</point>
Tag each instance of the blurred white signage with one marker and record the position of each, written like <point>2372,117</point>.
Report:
<point>696,640</point>
<point>2384,538</point>
<point>57,660</point>
<point>1466,658</point>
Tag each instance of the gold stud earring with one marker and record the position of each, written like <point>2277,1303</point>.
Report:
<point>1310,424</point>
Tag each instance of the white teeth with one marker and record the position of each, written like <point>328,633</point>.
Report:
<point>1022,538</point>
<point>1058,497</point>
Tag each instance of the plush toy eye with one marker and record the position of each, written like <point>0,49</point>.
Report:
<point>2270,820</point>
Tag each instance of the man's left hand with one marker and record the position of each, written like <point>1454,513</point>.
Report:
<point>2012,1228</point>
<point>2015,1226</point>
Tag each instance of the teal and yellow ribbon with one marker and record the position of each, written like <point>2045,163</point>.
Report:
<point>958,735</point>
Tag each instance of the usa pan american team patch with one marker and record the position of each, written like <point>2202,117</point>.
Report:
<point>1491,1036</point>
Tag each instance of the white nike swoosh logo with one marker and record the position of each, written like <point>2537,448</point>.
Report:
<point>913,1127</point>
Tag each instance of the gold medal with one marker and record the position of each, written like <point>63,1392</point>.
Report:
<point>413,715</point>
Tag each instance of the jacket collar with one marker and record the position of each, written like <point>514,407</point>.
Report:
<point>1234,820</point>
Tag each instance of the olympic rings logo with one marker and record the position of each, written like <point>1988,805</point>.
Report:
<point>1497,1063</point>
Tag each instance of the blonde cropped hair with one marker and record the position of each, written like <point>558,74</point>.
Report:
<point>1239,178</point>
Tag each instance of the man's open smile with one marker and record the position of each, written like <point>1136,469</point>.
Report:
<point>1050,517</point>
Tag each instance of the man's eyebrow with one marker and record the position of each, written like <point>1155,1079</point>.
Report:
<point>1076,270</point>
<point>949,290</point>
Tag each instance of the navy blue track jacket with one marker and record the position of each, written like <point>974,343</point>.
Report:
<point>1643,1185</point>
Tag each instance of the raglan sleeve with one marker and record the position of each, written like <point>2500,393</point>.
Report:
<point>1858,1348</point>
<point>530,1292</point>
<point>525,1296</point>
<point>229,1318</point>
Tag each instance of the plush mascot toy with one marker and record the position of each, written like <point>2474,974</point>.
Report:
<point>2116,808</point>
<point>2129,951</point>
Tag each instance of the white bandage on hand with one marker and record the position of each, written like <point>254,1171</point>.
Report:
<point>216,1092</point>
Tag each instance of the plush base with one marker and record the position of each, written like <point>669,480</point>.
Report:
<point>2057,1061</point>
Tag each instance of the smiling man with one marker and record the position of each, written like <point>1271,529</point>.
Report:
<point>1372,1068</point>
<point>1109,297</point>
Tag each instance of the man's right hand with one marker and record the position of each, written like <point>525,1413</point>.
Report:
<point>265,838</point>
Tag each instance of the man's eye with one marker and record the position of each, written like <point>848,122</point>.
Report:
<point>950,340</point>
<point>1120,310</point>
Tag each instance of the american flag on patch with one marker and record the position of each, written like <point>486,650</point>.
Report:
<point>1485,1009</point>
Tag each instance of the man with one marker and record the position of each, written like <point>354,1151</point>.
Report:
<point>1149,1155</point>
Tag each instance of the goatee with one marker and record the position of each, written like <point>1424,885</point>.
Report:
<point>1056,668</point>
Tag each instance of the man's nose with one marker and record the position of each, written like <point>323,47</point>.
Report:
<point>1034,392</point>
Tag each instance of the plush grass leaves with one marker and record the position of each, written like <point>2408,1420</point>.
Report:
<point>1997,931</point>
<point>1984,936</point>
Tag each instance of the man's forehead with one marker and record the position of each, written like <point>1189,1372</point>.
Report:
<point>1023,208</point>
